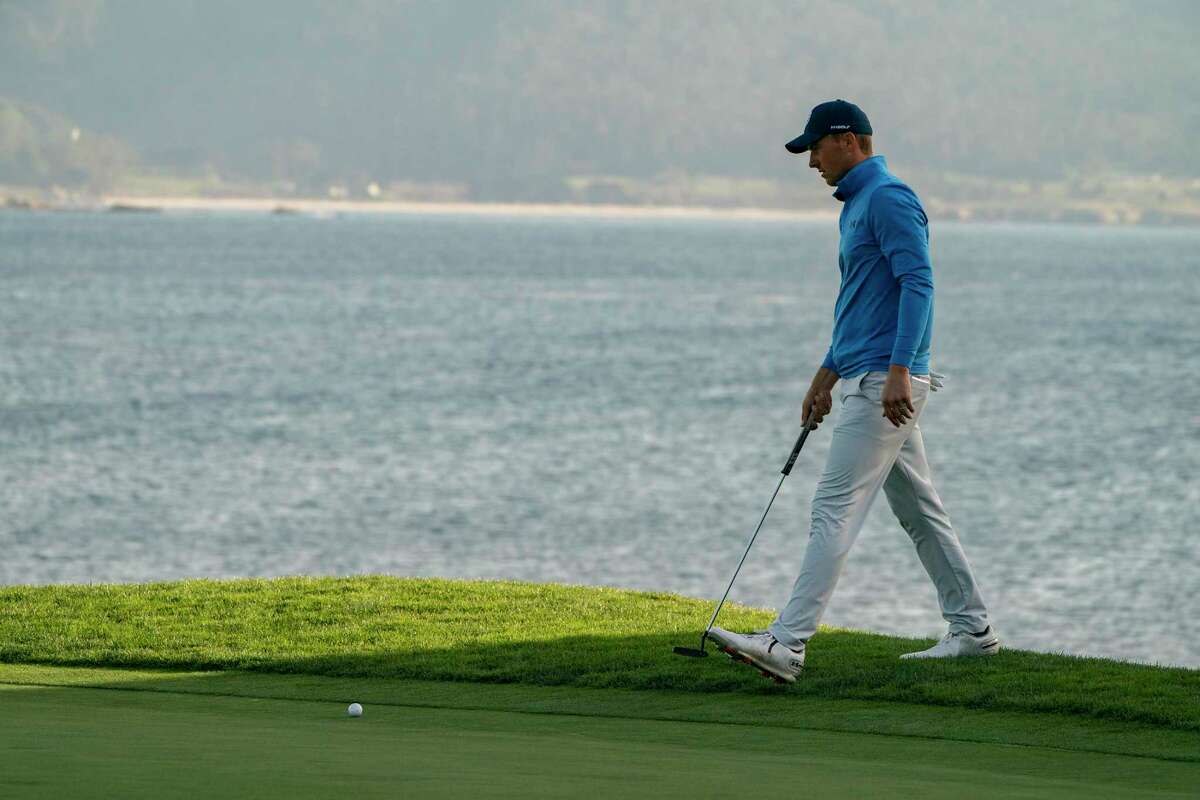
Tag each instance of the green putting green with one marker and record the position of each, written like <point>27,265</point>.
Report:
<point>72,741</point>
<point>502,688</point>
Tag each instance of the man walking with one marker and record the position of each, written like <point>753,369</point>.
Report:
<point>883,322</point>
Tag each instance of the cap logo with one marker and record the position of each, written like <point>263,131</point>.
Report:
<point>839,127</point>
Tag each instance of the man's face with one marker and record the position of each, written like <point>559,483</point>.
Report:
<point>829,157</point>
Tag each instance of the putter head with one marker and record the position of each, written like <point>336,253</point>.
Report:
<point>693,653</point>
<point>690,652</point>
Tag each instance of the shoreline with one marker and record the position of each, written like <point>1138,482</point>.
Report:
<point>325,208</point>
<point>330,207</point>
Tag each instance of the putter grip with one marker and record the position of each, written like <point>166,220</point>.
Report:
<point>787,468</point>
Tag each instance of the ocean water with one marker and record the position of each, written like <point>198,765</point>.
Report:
<point>593,401</point>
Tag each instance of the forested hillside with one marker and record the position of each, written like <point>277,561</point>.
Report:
<point>604,100</point>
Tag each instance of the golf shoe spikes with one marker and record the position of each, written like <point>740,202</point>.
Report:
<point>762,651</point>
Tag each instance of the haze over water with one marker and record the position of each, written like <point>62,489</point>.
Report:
<point>591,401</point>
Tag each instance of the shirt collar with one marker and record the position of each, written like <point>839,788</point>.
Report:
<point>858,176</point>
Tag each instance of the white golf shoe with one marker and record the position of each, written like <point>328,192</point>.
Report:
<point>955,645</point>
<point>763,651</point>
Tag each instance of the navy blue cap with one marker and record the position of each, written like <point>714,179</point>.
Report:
<point>836,116</point>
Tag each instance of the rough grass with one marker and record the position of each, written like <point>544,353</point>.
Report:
<point>540,634</point>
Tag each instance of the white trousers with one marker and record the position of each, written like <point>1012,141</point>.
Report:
<point>867,452</point>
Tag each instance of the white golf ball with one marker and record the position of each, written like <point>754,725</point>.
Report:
<point>355,710</point>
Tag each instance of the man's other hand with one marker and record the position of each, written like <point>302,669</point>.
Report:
<point>897,396</point>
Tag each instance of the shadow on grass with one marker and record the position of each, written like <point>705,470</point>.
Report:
<point>509,632</point>
<point>841,665</point>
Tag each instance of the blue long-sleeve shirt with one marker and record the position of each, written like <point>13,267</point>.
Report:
<point>884,309</point>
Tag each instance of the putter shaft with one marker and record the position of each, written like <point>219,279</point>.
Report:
<point>787,469</point>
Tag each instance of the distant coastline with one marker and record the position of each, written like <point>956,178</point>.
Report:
<point>323,207</point>
<point>1095,213</point>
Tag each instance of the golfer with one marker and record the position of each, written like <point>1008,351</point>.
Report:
<point>883,321</point>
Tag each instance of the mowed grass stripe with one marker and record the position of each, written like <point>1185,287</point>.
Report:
<point>539,634</point>
<point>1046,731</point>
<point>86,743</point>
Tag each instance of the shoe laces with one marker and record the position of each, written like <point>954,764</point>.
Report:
<point>767,638</point>
<point>946,638</point>
<point>774,641</point>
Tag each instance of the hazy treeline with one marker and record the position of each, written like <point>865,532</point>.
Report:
<point>512,100</point>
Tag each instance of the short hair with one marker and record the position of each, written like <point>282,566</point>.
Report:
<point>863,139</point>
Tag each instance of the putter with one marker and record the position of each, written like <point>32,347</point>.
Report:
<point>787,469</point>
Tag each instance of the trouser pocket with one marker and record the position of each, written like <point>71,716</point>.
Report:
<point>855,386</point>
<point>871,385</point>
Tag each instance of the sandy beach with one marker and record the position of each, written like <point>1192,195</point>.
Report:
<point>330,207</point>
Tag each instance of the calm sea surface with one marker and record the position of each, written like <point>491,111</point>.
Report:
<point>591,401</point>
